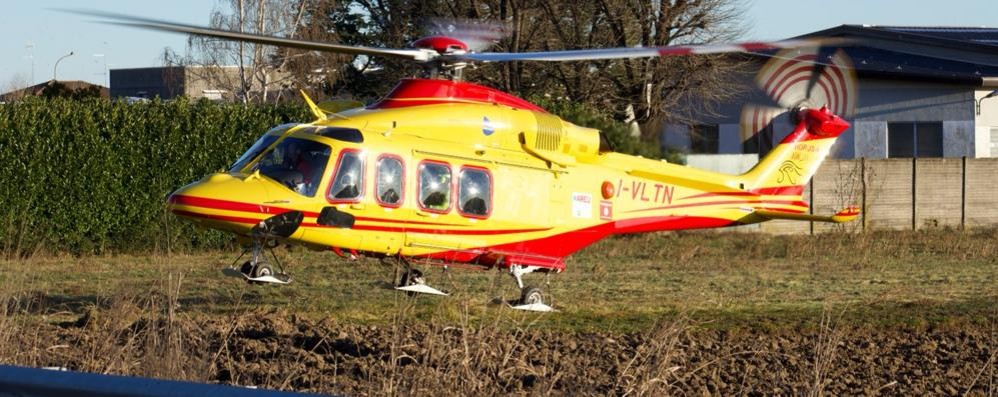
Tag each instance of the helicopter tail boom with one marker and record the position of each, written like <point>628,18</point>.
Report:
<point>792,163</point>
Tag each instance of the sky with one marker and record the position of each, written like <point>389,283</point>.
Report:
<point>33,33</point>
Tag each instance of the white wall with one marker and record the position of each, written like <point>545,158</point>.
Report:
<point>958,138</point>
<point>870,139</point>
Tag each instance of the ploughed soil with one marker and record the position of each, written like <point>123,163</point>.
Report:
<point>283,351</point>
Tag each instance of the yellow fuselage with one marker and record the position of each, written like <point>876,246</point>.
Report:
<point>552,189</point>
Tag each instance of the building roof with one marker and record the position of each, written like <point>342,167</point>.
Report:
<point>963,55</point>
<point>37,89</point>
<point>979,35</point>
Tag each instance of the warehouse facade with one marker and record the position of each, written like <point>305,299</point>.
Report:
<point>923,93</point>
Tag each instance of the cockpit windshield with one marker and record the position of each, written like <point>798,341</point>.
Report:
<point>295,163</point>
<point>260,145</point>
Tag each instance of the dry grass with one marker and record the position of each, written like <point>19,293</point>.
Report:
<point>639,324</point>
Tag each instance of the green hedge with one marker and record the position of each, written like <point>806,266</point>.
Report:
<point>92,176</point>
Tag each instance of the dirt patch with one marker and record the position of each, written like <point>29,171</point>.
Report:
<point>283,351</point>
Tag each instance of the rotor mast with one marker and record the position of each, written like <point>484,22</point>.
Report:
<point>446,61</point>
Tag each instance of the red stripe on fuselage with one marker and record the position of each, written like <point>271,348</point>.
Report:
<point>483,232</point>
<point>796,190</point>
<point>226,218</point>
<point>669,207</point>
<point>549,252</point>
<point>227,205</point>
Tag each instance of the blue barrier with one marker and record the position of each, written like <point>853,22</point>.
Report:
<point>34,382</point>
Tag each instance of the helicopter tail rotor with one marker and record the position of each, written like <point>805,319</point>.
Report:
<point>802,78</point>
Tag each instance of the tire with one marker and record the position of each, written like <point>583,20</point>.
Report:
<point>531,295</point>
<point>411,277</point>
<point>262,269</point>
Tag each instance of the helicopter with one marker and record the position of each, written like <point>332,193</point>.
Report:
<point>449,173</point>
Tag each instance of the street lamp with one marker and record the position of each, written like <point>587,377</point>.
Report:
<point>56,67</point>
<point>992,94</point>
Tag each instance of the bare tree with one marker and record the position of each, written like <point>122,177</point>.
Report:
<point>641,91</point>
<point>11,89</point>
<point>258,74</point>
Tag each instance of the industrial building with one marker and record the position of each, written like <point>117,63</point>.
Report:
<point>922,92</point>
<point>167,82</point>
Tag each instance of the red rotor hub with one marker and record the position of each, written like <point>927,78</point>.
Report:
<point>440,44</point>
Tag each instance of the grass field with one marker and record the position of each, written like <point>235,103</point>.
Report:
<point>907,313</point>
<point>719,280</point>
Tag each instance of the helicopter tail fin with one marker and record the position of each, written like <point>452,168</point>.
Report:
<point>792,163</point>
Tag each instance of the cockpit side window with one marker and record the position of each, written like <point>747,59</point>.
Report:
<point>348,181</point>
<point>474,195</point>
<point>434,186</point>
<point>390,185</point>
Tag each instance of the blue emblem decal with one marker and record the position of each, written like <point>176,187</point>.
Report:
<point>487,127</point>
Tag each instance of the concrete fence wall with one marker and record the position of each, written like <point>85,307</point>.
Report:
<point>901,194</point>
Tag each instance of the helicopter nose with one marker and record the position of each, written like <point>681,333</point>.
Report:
<point>219,201</point>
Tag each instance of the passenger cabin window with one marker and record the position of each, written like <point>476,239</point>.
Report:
<point>348,182</point>
<point>474,192</point>
<point>434,186</point>
<point>389,187</point>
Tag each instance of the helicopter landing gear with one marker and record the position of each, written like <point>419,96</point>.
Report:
<point>412,282</point>
<point>257,270</point>
<point>531,297</point>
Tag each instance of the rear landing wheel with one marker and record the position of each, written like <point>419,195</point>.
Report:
<point>531,295</point>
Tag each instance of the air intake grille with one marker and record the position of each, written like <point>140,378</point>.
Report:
<point>548,133</point>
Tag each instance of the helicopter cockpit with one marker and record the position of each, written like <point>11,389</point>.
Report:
<point>295,163</point>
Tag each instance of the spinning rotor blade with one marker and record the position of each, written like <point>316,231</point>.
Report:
<point>810,78</point>
<point>640,52</point>
<point>153,24</point>
<point>477,35</point>
<point>802,78</point>
<point>755,118</point>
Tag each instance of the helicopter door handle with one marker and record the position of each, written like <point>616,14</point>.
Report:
<point>357,206</point>
<point>422,213</point>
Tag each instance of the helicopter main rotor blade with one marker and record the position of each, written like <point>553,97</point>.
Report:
<point>642,52</point>
<point>153,24</point>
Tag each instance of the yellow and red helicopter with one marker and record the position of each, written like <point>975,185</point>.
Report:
<point>454,173</point>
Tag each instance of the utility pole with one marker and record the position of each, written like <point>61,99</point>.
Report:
<point>30,46</point>
<point>107,78</point>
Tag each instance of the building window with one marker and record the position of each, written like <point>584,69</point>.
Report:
<point>213,95</point>
<point>994,141</point>
<point>704,138</point>
<point>921,139</point>
<point>474,195</point>
<point>434,186</point>
<point>389,187</point>
<point>348,182</point>
<point>761,142</point>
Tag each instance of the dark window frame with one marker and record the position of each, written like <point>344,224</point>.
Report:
<point>491,192</point>
<point>699,144</point>
<point>377,170</point>
<point>336,170</point>
<point>419,186</point>
<point>915,152</point>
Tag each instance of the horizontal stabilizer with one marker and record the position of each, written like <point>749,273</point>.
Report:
<point>845,215</point>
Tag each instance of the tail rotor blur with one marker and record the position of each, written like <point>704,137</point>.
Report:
<point>800,78</point>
